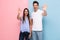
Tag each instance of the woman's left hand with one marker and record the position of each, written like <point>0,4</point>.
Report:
<point>30,35</point>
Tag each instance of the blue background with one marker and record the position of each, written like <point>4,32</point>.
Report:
<point>51,23</point>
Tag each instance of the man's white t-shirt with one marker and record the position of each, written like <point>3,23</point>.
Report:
<point>37,20</point>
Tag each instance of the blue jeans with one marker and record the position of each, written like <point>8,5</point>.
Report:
<point>24,35</point>
<point>36,35</point>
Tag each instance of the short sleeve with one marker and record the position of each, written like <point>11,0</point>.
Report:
<point>31,16</point>
<point>42,11</point>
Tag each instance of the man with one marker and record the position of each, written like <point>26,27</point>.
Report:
<point>37,16</point>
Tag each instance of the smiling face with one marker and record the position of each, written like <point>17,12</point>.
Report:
<point>35,5</point>
<point>26,12</point>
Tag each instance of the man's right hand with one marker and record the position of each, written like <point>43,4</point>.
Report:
<point>45,7</point>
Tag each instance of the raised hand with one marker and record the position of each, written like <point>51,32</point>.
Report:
<point>44,7</point>
<point>19,10</point>
<point>19,14</point>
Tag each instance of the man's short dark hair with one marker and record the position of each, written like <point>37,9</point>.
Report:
<point>35,2</point>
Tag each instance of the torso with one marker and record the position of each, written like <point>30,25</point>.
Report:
<point>25,26</point>
<point>37,20</point>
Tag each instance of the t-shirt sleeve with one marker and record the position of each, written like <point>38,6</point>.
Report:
<point>42,11</point>
<point>31,16</point>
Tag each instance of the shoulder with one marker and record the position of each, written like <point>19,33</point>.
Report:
<point>32,13</point>
<point>31,16</point>
<point>40,10</point>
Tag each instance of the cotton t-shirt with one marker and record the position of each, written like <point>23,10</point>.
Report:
<point>37,20</point>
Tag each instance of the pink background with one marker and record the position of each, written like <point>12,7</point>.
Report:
<point>9,25</point>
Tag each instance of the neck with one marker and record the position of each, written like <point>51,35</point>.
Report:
<point>25,16</point>
<point>35,10</point>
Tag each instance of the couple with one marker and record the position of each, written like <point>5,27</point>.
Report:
<point>31,25</point>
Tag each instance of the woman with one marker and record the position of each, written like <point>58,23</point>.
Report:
<point>25,24</point>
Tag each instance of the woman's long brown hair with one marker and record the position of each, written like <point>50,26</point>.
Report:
<point>27,15</point>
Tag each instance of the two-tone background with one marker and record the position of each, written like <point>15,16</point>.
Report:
<point>9,25</point>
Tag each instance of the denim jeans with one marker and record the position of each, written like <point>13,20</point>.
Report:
<point>24,35</point>
<point>36,35</point>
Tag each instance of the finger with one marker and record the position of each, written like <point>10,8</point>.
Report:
<point>19,9</point>
<point>44,6</point>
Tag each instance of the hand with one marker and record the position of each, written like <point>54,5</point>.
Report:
<point>19,11</point>
<point>44,7</point>
<point>19,14</point>
<point>30,35</point>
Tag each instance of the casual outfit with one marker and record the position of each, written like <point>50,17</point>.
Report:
<point>24,30</point>
<point>37,25</point>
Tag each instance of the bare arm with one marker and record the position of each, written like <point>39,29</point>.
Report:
<point>44,10</point>
<point>18,16</point>
<point>31,23</point>
<point>45,13</point>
